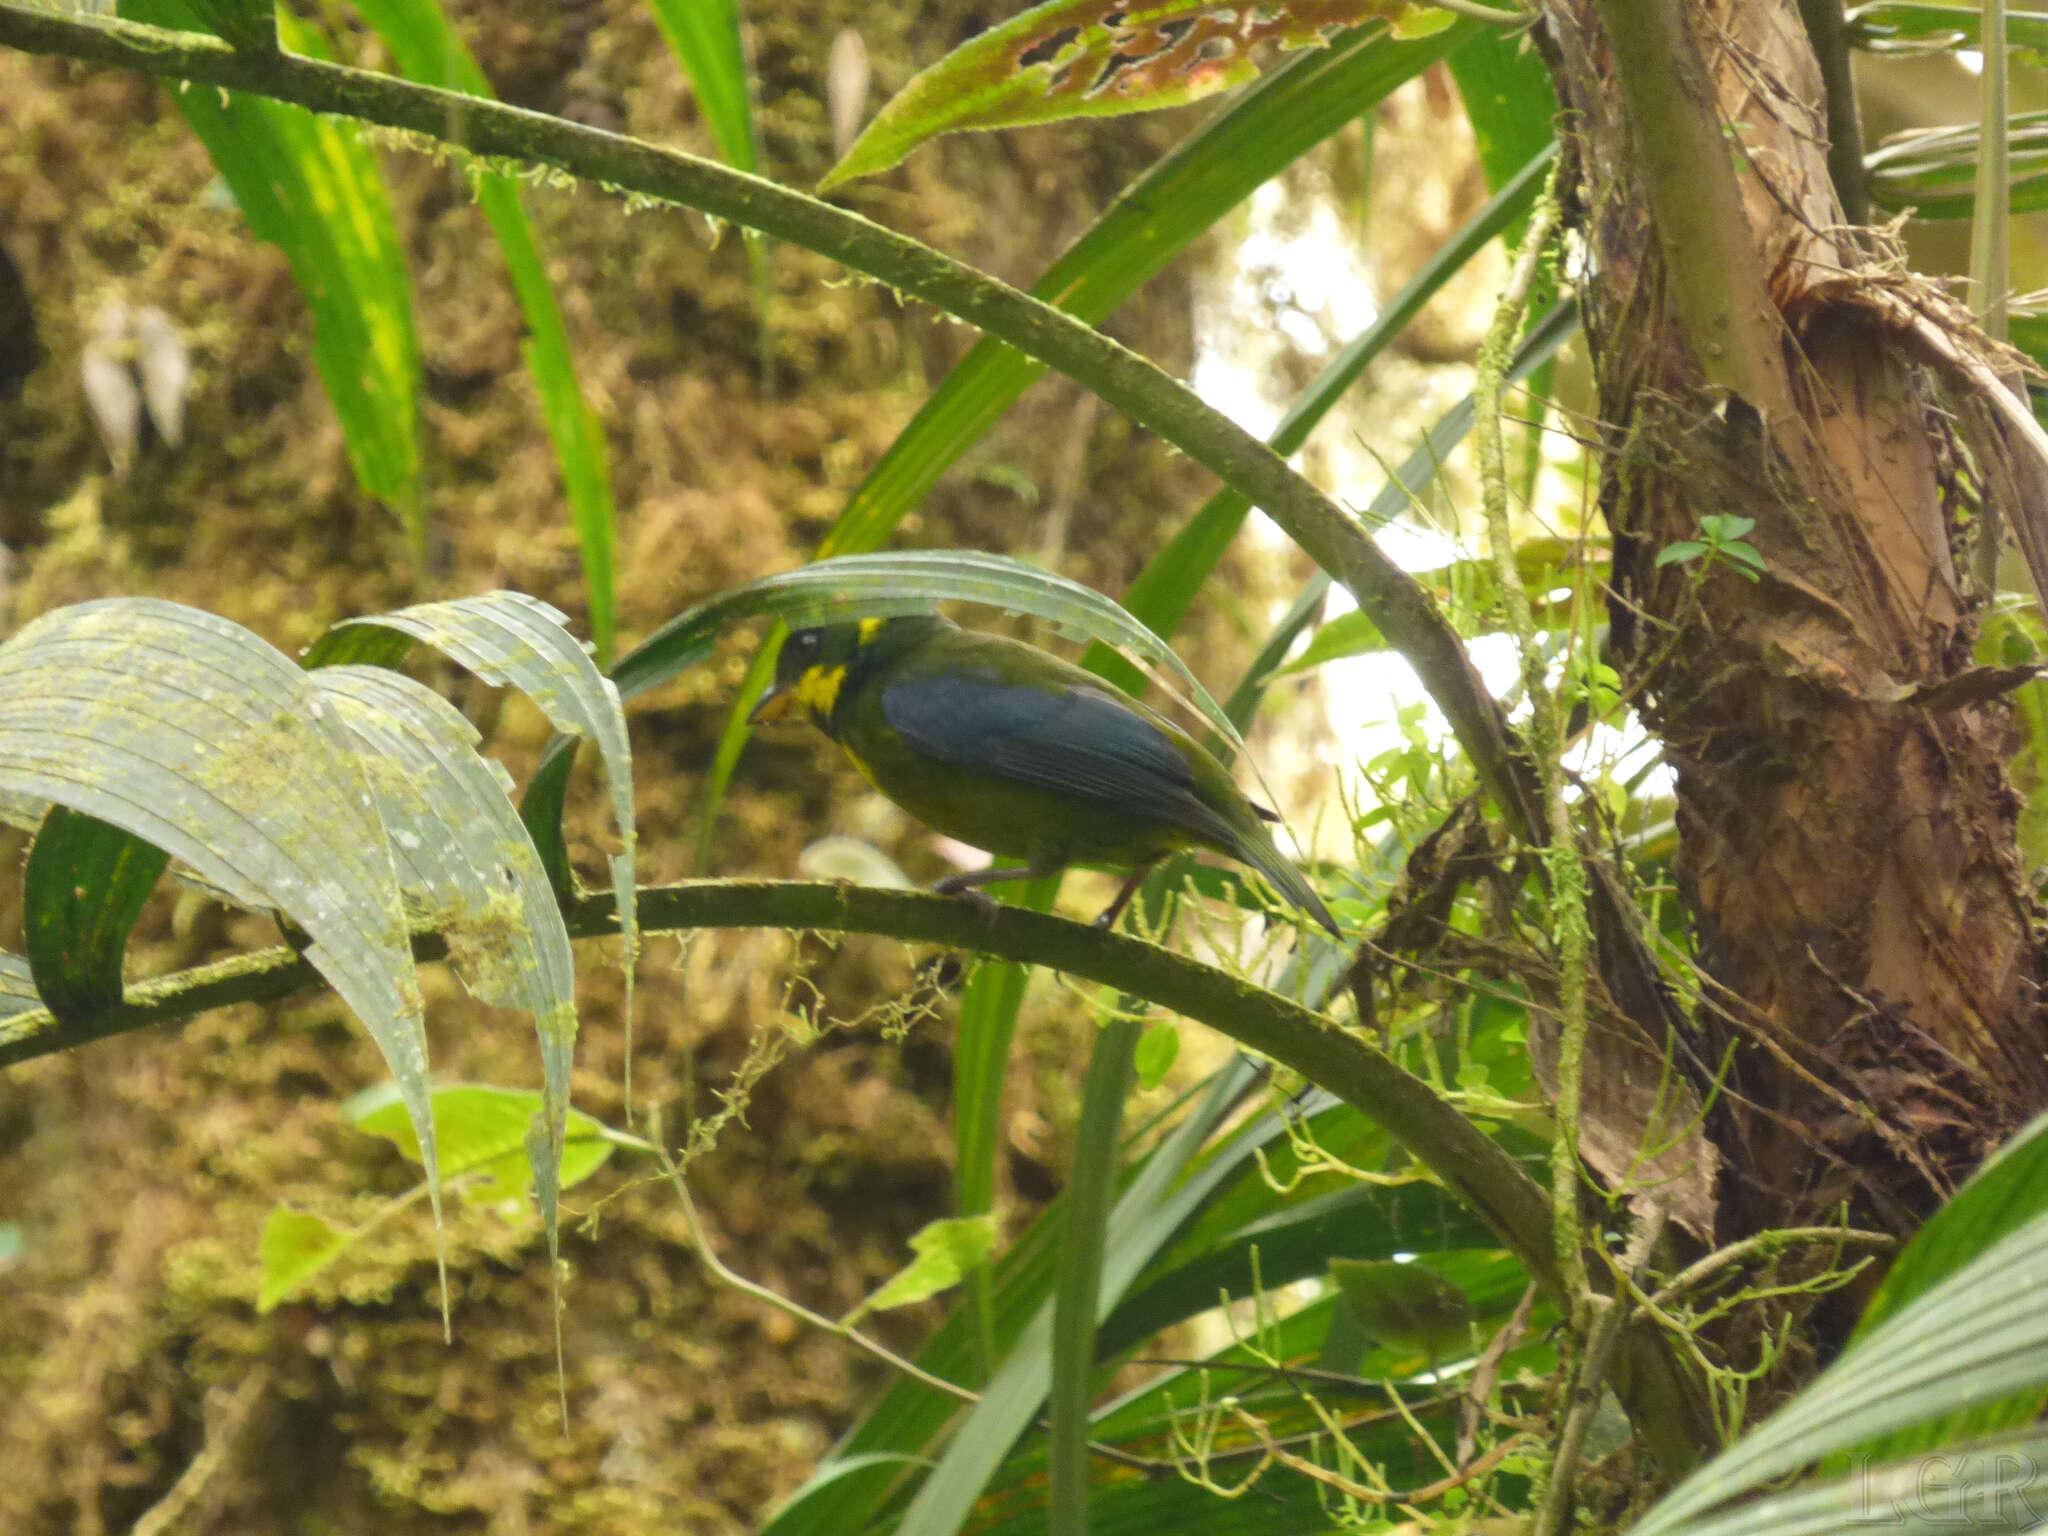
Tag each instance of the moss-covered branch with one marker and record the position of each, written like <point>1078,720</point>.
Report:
<point>1336,541</point>
<point>1661,1400</point>
<point>1473,1166</point>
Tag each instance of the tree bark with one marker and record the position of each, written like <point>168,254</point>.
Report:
<point>1868,938</point>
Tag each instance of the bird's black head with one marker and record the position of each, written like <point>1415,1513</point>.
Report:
<point>816,664</point>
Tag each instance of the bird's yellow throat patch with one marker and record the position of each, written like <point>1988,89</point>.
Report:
<point>818,689</point>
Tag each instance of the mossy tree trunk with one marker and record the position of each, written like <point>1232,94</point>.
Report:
<point>1869,939</point>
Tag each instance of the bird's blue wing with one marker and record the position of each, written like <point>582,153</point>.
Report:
<point>1070,740</point>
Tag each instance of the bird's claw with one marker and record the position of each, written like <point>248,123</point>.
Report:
<point>974,895</point>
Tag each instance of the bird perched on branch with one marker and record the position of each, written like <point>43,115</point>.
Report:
<point>1008,748</point>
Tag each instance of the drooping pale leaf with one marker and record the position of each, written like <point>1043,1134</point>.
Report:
<point>946,1250</point>
<point>426,48</point>
<point>465,865</point>
<point>295,1247</point>
<point>1979,1336</point>
<point>311,186</point>
<point>1100,58</point>
<point>193,734</point>
<point>82,891</point>
<point>882,585</point>
<point>17,986</point>
<point>511,640</point>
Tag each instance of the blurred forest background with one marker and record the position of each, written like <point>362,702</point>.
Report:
<point>136,1175</point>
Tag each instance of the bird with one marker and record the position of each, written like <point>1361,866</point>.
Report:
<point>1008,748</point>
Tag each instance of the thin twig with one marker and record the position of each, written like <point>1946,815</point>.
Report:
<point>1766,1242</point>
<point>1562,859</point>
<point>1364,1495</point>
<point>1555,1515</point>
<point>795,1309</point>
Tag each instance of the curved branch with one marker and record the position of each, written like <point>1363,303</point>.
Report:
<point>1661,1398</point>
<point>1333,538</point>
<point>1473,1166</point>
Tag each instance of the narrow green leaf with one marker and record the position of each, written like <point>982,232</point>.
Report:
<point>251,25</point>
<point>1510,104</point>
<point>1088,1286</point>
<point>540,808</point>
<point>1102,58</point>
<point>910,1417</point>
<point>818,1508</point>
<point>1078,1303</point>
<point>311,186</point>
<point>989,1009</point>
<point>705,35</point>
<point>426,48</point>
<point>82,892</point>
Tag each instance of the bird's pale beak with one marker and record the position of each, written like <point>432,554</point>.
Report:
<point>774,705</point>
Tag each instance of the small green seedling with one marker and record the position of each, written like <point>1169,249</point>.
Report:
<point>1720,543</point>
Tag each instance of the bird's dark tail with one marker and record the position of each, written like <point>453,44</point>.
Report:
<point>1257,849</point>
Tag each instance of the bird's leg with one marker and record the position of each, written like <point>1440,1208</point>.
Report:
<point>1123,897</point>
<point>969,882</point>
